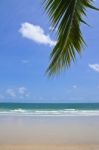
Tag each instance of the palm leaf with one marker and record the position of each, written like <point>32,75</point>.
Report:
<point>67,15</point>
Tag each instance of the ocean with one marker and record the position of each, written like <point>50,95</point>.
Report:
<point>50,109</point>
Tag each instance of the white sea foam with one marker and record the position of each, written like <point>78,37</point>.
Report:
<point>65,112</point>
<point>18,110</point>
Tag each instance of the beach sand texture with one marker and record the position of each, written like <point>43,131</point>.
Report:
<point>49,147</point>
<point>49,133</point>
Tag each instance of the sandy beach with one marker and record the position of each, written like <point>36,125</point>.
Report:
<point>45,133</point>
<point>49,147</point>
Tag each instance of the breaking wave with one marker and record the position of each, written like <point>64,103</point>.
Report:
<point>60,112</point>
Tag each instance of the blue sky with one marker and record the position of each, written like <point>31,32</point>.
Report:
<point>25,46</point>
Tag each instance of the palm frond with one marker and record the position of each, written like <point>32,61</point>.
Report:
<point>67,15</point>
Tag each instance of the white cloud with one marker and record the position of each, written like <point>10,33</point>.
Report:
<point>11,93</point>
<point>74,86</point>
<point>22,90</point>
<point>24,61</point>
<point>94,67</point>
<point>18,92</point>
<point>36,34</point>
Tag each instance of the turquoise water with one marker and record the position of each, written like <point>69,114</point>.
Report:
<point>50,109</point>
